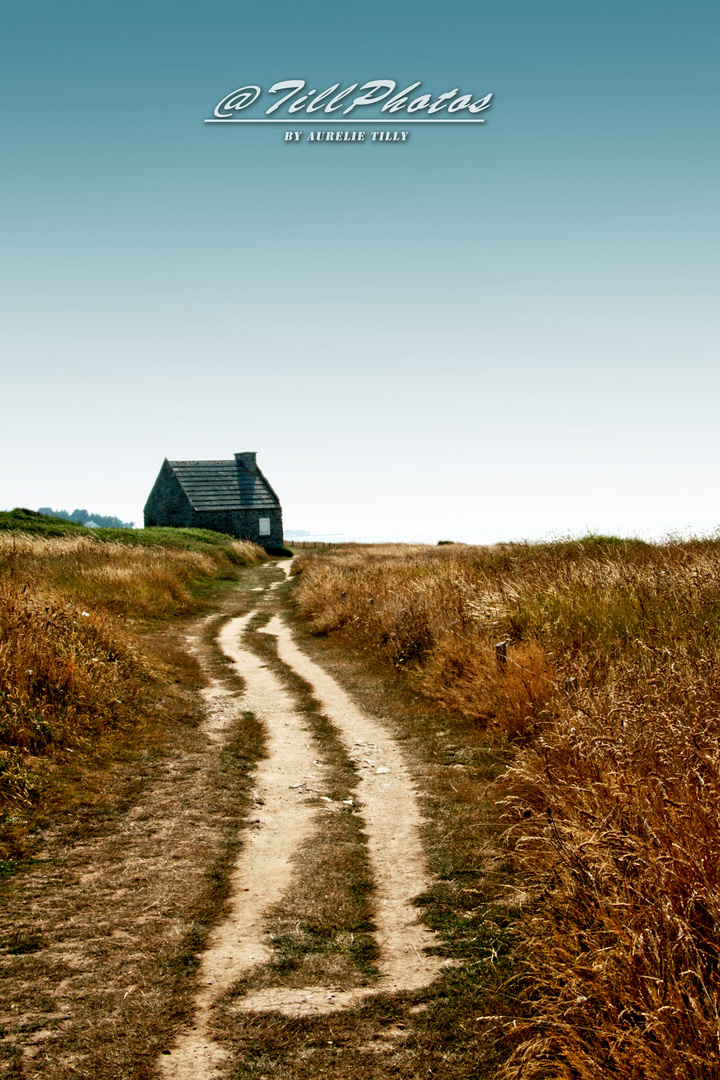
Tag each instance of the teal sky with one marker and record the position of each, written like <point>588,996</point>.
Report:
<point>491,331</point>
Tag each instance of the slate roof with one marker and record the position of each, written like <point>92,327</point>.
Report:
<point>224,485</point>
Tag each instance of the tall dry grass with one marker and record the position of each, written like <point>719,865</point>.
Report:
<point>67,676</point>
<point>433,614</point>
<point>152,582</point>
<point>74,669</point>
<point>612,801</point>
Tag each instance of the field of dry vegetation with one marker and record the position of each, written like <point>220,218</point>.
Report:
<point>80,681</point>
<point>607,713</point>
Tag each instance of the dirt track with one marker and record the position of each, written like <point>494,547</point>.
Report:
<point>284,821</point>
<point>243,893</point>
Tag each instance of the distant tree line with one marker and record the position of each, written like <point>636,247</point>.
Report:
<point>105,521</point>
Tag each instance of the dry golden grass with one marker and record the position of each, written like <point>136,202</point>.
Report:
<point>611,801</point>
<point>74,674</point>
<point>154,582</point>
<point>434,614</point>
<point>67,676</point>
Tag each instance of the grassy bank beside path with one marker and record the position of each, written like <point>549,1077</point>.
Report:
<point>86,672</point>
<point>606,718</point>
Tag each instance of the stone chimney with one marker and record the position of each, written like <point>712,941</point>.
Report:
<point>247,461</point>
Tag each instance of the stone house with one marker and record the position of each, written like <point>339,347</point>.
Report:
<point>226,496</point>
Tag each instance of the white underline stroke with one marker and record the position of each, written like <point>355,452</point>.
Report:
<point>308,120</point>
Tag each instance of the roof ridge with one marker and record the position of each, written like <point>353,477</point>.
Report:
<point>218,484</point>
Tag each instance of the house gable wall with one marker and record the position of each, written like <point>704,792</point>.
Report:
<point>168,504</point>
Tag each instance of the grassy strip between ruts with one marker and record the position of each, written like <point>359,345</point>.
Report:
<point>321,929</point>
<point>85,674</point>
<point>608,714</point>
